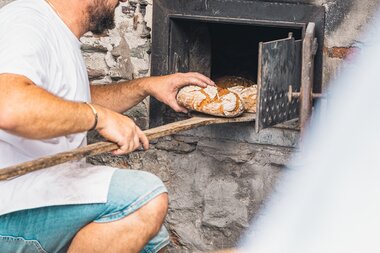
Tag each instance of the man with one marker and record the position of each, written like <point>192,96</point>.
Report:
<point>45,108</point>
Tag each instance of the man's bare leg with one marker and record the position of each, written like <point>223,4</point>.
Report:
<point>129,234</point>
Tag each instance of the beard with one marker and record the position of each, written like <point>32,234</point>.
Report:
<point>101,17</point>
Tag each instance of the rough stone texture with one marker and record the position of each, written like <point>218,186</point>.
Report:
<point>217,176</point>
<point>122,53</point>
<point>345,22</point>
<point>216,186</point>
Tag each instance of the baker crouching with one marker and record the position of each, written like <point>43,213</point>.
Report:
<point>46,107</point>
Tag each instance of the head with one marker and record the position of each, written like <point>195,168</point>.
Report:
<point>101,15</point>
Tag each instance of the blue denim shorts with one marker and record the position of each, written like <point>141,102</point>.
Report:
<point>51,229</point>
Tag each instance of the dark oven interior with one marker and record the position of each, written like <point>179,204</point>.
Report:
<point>221,49</point>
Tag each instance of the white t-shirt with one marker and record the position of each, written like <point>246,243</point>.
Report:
<point>35,43</point>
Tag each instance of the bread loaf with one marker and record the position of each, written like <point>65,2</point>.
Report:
<point>246,89</point>
<point>211,100</point>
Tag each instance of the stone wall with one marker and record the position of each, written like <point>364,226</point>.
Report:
<point>217,176</point>
<point>124,52</point>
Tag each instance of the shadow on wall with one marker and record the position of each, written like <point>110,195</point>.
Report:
<point>336,12</point>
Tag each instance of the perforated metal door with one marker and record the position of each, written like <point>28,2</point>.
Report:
<point>279,67</point>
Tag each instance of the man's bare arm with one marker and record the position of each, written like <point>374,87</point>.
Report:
<point>121,97</point>
<point>29,111</point>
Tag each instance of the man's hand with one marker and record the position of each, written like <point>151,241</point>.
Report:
<point>121,130</point>
<point>165,88</point>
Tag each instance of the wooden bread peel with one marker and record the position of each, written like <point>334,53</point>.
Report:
<point>103,147</point>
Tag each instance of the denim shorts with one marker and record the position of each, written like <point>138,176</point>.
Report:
<point>51,229</point>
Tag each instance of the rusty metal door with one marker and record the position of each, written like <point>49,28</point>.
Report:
<point>279,67</point>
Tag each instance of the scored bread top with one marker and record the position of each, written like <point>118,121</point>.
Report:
<point>248,95</point>
<point>211,100</point>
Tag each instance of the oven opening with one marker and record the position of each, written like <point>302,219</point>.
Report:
<point>244,39</point>
<point>235,48</point>
<point>219,49</point>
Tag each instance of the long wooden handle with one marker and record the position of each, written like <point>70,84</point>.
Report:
<point>103,147</point>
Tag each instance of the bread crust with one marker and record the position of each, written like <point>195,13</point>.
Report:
<point>211,100</point>
<point>245,88</point>
<point>232,81</point>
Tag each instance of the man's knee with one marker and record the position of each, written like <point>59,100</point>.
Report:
<point>138,191</point>
<point>135,211</point>
<point>159,210</point>
<point>130,190</point>
<point>153,201</point>
<point>156,195</point>
<point>162,203</point>
<point>150,217</point>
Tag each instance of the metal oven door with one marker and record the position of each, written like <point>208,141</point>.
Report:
<point>279,68</point>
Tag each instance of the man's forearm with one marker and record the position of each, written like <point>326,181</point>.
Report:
<point>29,111</point>
<point>120,97</point>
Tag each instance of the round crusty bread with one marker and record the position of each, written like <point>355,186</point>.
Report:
<point>246,89</point>
<point>211,100</point>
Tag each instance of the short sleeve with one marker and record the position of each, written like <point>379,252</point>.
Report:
<point>23,51</point>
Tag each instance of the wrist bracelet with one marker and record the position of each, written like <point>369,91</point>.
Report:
<point>95,114</point>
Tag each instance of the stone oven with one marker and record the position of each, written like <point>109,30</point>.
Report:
<point>218,176</point>
<point>258,40</point>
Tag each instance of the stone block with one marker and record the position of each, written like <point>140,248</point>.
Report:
<point>176,146</point>
<point>222,207</point>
